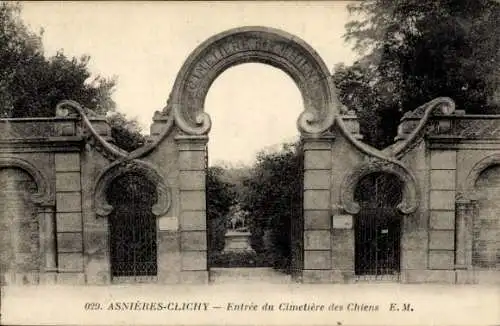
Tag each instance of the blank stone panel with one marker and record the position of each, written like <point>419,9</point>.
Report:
<point>69,222</point>
<point>314,259</point>
<point>193,200</point>
<point>68,181</point>
<point>194,240</point>
<point>317,240</point>
<point>192,160</point>
<point>443,159</point>
<point>69,242</point>
<point>444,240</point>
<point>442,220</point>
<point>193,220</point>
<point>317,160</point>
<point>68,202</point>
<point>441,259</point>
<point>317,220</point>
<point>442,199</point>
<point>443,179</point>
<point>317,179</point>
<point>194,260</point>
<point>67,162</point>
<point>317,199</point>
<point>70,262</point>
<point>192,180</point>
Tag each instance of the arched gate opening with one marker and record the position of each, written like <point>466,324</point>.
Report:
<point>378,226</point>
<point>132,228</point>
<point>320,105</point>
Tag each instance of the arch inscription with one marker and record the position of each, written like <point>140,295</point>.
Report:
<point>259,45</point>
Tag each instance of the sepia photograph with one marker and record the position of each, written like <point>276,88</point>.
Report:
<point>250,162</point>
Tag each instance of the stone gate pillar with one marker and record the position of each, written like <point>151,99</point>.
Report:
<point>192,213</point>
<point>317,227</point>
<point>465,211</point>
<point>47,222</point>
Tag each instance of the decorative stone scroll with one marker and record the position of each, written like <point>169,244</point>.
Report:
<point>261,45</point>
<point>148,170</point>
<point>411,195</point>
<point>45,192</point>
<point>411,133</point>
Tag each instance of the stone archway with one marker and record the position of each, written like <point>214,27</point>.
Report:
<point>186,104</point>
<point>410,197</point>
<point>474,207</point>
<point>377,226</point>
<point>486,222</point>
<point>258,45</point>
<point>27,216</point>
<point>44,195</point>
<point>113,171</point>
<point>133,196</point>
<point>19,227</point>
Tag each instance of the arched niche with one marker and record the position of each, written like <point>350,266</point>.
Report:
<point>468,188</point>
<point>103,208</point>
<point>486,220</point>
<point>258,45</point>
<point>411,195</point>
<point>44,195</point>
<point>19,227</point>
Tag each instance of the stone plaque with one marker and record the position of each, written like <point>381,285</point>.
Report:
<point>342,221</point>
<point>168,223</point>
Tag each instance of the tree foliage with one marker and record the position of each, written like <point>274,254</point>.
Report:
<point>272,196</point>
<point>220,197</point>
<point>413,51</point>
<point>31,84</point>
<point>125,131</point>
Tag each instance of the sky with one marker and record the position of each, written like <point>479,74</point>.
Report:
<point>144,44</point>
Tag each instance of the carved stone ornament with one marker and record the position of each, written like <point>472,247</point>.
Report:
<point>441,106</point>
<point>116,169</point>
<point>261,45</point>
<point>411,195</point>
<point>45,193</point>
<point>108,150</point>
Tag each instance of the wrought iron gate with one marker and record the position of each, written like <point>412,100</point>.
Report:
<point>133,229</point>
<point>378,227</point>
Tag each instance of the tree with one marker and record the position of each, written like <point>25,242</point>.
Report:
<point>272,196</point>
<point>413,51</point>
<point>220,197</point>
<point>31,85</point>
<point>125,132</point>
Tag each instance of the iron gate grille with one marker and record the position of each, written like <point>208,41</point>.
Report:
<point>378,227</point>
<point>133,229</point>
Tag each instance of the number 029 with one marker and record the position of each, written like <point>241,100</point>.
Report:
<point>92,306</point>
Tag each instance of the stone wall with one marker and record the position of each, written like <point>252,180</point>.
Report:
<point>449,227</point>
<point>52,152</point>
<point>450,219</point>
